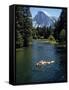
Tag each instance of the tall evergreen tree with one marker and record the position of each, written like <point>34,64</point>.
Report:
<point>61,24</point>
<point>24,23</point>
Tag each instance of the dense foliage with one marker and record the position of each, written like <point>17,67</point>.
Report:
<point>23,26</point>
<point>61,26</point>
<point>25,31</point>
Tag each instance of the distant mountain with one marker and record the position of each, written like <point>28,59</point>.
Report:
<point>42,19</point>
<point>54,19</point>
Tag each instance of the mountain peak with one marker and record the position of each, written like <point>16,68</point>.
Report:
<point>41,12</point>
<point>42,19</point>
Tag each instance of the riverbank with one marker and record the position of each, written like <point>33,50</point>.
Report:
<point>46,41</point>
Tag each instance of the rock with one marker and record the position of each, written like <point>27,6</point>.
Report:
<point>42,62</point>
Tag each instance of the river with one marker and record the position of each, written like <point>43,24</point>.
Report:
<point>27,57</point>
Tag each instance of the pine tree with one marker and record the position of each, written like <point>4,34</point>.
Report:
<point>24,23</point>
<point>61,24</point>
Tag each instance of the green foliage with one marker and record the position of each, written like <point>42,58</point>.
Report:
<point>23,24</point>
<point>51,38</point>
<point>60,24</point>
<point>62,35</point>
<point>41,32</point>
<point>25,32</point>
<point>34,33</point>
<point>19,40</point>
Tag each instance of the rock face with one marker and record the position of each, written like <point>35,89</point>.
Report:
<point>42,62</point>
<point>42,19</point>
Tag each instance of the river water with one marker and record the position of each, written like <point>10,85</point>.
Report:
<point>26,59</point>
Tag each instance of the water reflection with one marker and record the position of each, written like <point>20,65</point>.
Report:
<point>48,73</point>
<point>41,62</point>
<point>62,53</point>
<point>23,65</point>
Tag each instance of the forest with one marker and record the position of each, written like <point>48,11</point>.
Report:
<point>25,32</point>
<point>41,51</point>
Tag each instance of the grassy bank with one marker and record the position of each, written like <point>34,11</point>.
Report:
<point>46,41</point>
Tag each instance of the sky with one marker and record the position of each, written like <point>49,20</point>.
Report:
<point>53,12</point>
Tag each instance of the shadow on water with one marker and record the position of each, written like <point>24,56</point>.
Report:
<point>23,65</point>
<point>62,53</point>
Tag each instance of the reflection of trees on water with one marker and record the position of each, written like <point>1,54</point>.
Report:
<point>23,65</point>
<point>62,53</point>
